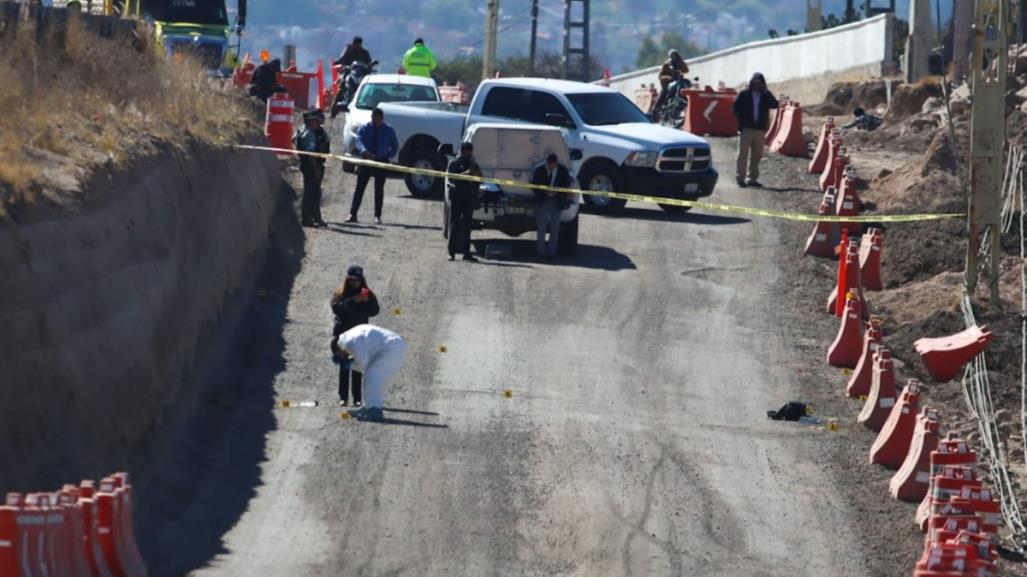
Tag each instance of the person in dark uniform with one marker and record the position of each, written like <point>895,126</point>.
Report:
<point>353,304</point>
<point>462,200</point>
<point>312,138</point>
<point>354,52</point>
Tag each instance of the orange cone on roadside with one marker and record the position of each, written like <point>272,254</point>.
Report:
<point>892,443</point>
<point>848,280</point>
<point>881,398</point>
<point>870,260</point>
<point>824,238</point>
<point>819,161</point>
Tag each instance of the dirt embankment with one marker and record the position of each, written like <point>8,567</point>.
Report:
<point>126,222</point>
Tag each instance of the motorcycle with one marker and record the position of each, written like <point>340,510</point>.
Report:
<point>350,80</point>
<point>672,112</point>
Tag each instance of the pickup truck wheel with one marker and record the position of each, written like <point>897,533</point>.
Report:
<point>675,209</point>
<point>602,177</point>
<point>420,185</point>
<point>568,243</point>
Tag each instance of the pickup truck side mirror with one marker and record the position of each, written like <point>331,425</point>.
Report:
<point>576,154</point>
<point>560,120</point>
<point>446,149</point>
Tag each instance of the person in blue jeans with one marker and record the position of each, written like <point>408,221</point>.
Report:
<point>375,141</point>
<point>550,203</point>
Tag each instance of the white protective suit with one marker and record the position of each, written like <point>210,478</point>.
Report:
<point>378,353</point>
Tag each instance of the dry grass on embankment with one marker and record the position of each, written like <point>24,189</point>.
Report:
<point>74,105</point>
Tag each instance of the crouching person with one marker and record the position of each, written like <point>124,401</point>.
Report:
<point>378,353</point>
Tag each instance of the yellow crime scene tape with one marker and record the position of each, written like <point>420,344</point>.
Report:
<point>727,208</point>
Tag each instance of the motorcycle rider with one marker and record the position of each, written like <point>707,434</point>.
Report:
<point>353,53</point>
<point>673,70</point>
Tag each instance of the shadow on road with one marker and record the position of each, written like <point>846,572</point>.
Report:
<point>657,215</point>
<point>410,411</point>
<point>353,230</point>
<point>502,252</point>
<point>388,421</point>
<point>199,479</point>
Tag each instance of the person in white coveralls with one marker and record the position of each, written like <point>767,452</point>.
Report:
<point>379,354</point>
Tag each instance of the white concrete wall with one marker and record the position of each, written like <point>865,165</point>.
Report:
<point>859,49</point>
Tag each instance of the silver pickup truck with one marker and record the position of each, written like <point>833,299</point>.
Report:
<point>622,150</point>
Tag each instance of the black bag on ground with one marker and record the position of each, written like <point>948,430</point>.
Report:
<point>791,411</point>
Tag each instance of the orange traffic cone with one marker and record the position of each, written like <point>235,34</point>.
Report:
<point>892,443</point>
<point>848,344</point>
<point>882,392</point>
<point>910,482</point>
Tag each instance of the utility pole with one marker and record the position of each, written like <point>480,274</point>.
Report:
<point>987,139</point>
<point>488,60</point>
<point>570,51</point>
<point>534,36</point>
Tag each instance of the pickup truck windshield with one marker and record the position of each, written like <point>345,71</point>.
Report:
<point>371,95</point>
<point>191,11</point>
<point>603,108</point>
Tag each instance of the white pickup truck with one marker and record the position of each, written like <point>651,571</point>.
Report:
<point>622,150</point>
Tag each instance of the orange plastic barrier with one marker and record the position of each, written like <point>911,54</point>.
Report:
<point>320,75</point>
<point>892,443</point>
<point>242,75</point>
<point>848,344</point>
<point>111,532</point>
<point>127,521</point>
<point>825,236</point>
<point>944,485</point>
<point>302,87</point>
<point>788,139</point>
<point>848,186</point>
<point>278,125</point>
<point>91,522</point>
<point>848,204</point>
<point>15,540</point>
<point>77,531</point>
<point>945,559</point>
<point>945,356</point>
<point>454,93</point>
<point>822,153</point>
<point>976,499</point>
<point>870,260</point>
<point>709,112</point>
<point>862,376</point>
<point>910,482</point>
<point>881,398</point>
<point>832,176</point>
<point>775,120</point>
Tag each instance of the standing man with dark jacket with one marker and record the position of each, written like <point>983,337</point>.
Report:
<point>550,203</point>
<point>462,196</point>
<point>312,138</point>
<point>375,141</point>
<point>752,109</point>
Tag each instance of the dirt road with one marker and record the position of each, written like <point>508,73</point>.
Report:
<point>635,441</point>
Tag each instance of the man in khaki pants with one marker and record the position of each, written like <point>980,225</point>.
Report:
<point>752,109</point>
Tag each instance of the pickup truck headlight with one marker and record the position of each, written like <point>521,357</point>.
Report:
<point>644,158</point>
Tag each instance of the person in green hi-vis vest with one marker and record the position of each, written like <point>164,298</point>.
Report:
<point>419,61</point>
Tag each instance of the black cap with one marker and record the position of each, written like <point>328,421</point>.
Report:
<point>419,41</point>
<point>358,40</point>
<point>315,114</point>
<point>466,146</point>
<point>355,271</point>
<point>551,157</point>
<point>758,76</point>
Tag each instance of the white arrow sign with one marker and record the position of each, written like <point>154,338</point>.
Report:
<point>709,109</point>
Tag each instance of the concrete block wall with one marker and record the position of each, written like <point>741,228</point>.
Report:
<point>802,66</point>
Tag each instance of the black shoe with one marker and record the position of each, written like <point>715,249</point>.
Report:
<point>470,258</point>
<point>740,182</point>
<point>308,224</point>
<point>320,223</point>
<point>452,256</point>
<point>352,218</point>
<point>754,183</point>
<point>358,404</point>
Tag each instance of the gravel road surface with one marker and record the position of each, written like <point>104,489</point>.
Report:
<point>602,415</point>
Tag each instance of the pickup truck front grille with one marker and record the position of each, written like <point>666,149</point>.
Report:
<point>684,159</point>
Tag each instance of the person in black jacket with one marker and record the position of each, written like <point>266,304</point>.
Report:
<point>462,198</point>
<point>264,81</point>
<point>354,52</point>
<point>312,138</point>
<point>353,304</point>
<point>550,203</point>
<point>752,109</point>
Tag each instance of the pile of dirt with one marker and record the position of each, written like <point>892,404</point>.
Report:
<point>909,99</point>
<point>74,105</point>
<point>929,184</point>
<point>844,97</point>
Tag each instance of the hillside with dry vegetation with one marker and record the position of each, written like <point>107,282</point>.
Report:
<point>74,106</point>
